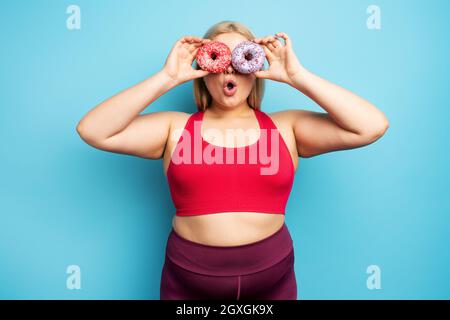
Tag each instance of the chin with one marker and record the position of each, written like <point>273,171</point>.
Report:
<point>234,100</point>
<point>231,102</point>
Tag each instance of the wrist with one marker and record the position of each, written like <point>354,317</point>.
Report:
<point>167,79</point>
<point>299,78</point>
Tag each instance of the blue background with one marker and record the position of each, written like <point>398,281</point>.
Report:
<point>64,202</point>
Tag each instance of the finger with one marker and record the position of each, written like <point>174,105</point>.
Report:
<point>191,48</point>
<point>277,43</point>
<point>271,46</point>
<point>279,40</point>
<point>178,44</point>
<point>267,51</point>
<point>200,73</point>
<point>196,40</point>
<point>184,39</point>
<point>270,56</point>
<point>194,47</point>
<point>193,54</point>
<point>268,39</point>
<point>263,74</point>
<point>185,46</point>
<point>286,38</point>
<point>191,39</point>
<point>258,40</point>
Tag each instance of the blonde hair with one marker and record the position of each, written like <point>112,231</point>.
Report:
<point>201,94</point>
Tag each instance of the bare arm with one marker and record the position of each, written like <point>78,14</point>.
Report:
<point>350,121</point>
<point>116,125</point>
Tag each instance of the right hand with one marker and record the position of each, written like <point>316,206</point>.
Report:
<point>178,64</point>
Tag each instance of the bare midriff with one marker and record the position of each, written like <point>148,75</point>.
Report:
<point>228,228</point>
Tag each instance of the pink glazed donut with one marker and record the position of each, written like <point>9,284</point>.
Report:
<point>248,57</point>
<point>214,57</point>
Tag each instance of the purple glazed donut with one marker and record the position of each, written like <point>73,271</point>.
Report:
<point>248,57</point>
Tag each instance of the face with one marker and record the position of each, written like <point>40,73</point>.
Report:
<point>217,83</point>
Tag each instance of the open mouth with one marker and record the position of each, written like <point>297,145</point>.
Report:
<point>230,87</point>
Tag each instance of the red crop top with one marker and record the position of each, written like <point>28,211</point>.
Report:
<point>205,178</point>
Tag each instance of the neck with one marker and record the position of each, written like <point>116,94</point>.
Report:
<point>225,112</point>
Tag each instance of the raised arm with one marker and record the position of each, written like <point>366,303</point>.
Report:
<point>349,122</point>
<point>116,125</point>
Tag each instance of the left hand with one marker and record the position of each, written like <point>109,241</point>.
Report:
<point>283,63</point>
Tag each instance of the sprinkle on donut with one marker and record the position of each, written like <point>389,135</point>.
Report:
<point>214,57</point>
<point>248,57</point>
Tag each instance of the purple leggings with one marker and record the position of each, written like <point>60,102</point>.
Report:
<point>262,270</point>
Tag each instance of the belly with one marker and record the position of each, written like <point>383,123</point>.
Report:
<point>228,228</point>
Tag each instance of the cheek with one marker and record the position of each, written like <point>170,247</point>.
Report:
<point>212,84</point>
<point>247,83</point>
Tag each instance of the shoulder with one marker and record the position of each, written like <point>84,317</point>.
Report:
<point>178,115</point>
<point>294,118</point>
<point>287,117</point>
<point>180,118</point>
<point>172,117</point>
<point>168,116</point>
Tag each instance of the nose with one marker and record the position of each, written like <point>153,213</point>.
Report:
<point>229,70</point>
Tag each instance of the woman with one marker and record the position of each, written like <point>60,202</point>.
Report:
<point>229,239</point>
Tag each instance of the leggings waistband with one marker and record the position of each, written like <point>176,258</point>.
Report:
<point>229,260</point>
